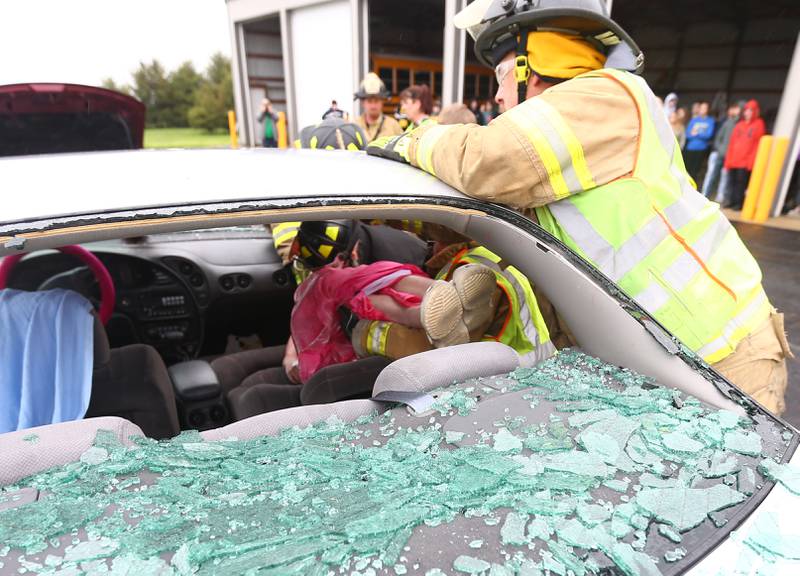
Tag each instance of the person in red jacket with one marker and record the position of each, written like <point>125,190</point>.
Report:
<point>742,152</point>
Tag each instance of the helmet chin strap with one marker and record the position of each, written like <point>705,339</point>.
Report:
<point>522,69</point>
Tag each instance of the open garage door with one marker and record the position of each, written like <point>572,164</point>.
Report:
<point>406,45</point>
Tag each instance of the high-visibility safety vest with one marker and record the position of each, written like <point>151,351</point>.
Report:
<point>652,233</point>
<point>283,234</point>
<point>524,328</point>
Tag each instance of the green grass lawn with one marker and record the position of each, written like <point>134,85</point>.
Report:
<point>185,138</point>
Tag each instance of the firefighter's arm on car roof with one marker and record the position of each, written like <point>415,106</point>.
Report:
<point>575,136</point>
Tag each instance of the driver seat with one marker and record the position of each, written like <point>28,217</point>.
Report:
<point>132,382</point>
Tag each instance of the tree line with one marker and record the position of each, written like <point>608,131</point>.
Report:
<point>183,97</point>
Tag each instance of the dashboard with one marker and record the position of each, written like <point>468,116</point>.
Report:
<point>185,294</point>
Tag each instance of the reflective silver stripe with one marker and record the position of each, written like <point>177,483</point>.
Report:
<point>683,269</point>
<point>596,248</point>
<point>617,263</point>
<point>376,336</point>
<point>733,324</point>
<point>528,326</point>
<point>653,297</point>
<point>557,144</point>
<point>380,283</point>
<point>537,355</point>
<point>669,143</point>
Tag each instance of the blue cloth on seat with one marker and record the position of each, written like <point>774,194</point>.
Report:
<point>46,357</point>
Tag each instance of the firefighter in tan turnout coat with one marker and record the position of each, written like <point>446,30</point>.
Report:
<point>584,148</point>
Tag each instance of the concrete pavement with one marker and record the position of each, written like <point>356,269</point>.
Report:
<point>778,253</point>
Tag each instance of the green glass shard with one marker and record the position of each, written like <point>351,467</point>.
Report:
<point>674,555</point>
<point>748,443</point>
<point>579,463</point>
<point>684,508</point>
<point>617,485</point>
<point>551,565</point>
<point>746,481</point>
<point>586,418</point>
<point>476,543</point>
<point>592,514</point>
<point>459,401</point>
<point>608,437</point>
<point>545,506</point>
<point>726,419</point>
<point>506,441</point>
<point>679,442</point>
<point>554,439</point>
<point>669,532</point>
<point>577,534</point>
<point>470,565</point>
<point>602,445</point>
<point>567,558</point>
<point>453,437</point>
<point>513,530</point>
<point>631,562</point>
<point>639,453</point>
<point>539,528</point>
<point>720,464</point>
<point>651,481</point>
<point>530,466</point>
<point>500,570</point>
<point>786,474</point>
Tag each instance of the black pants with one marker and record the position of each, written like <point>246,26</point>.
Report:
<point>739,179</point>
<point>269,143</point>
<point>694,160</point>
<point>255,381</point>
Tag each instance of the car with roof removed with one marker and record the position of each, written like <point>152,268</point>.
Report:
<point>624,453</point>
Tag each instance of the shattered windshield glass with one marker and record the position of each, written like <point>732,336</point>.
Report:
<point>572,467</point>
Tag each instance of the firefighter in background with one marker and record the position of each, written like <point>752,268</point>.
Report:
<point>416,104</point>
<point>584,149</point>
<point>330,134</point>
<point>373,121</point>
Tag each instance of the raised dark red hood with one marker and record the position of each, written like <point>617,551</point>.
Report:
<point>45,118</point>
<point>753,105</point>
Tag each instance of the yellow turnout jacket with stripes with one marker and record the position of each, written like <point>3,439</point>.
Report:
<point>594,160</point>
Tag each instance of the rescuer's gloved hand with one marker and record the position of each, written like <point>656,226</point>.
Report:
<point>391,147</point>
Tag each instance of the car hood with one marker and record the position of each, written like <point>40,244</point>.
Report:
<point>49,117</point>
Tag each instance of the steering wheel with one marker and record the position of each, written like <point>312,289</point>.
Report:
<point>108,293</point>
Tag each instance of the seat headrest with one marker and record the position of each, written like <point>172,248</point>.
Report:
<point>56,445</point>
<point>427,371</point>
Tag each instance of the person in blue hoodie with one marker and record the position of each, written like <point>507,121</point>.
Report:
<point>699,136</point>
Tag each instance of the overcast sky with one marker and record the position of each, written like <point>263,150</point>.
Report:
<point>85,41</point>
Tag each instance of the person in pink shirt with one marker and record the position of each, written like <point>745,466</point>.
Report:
<point>400,293</point>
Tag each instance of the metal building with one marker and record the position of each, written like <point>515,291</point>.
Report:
<point>304,53</point>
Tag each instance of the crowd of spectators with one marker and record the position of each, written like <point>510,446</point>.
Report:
<point>719,147</point>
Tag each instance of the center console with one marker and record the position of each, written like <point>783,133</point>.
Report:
<point>199,395</point>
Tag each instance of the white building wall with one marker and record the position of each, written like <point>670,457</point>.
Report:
<point>322,53</point>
